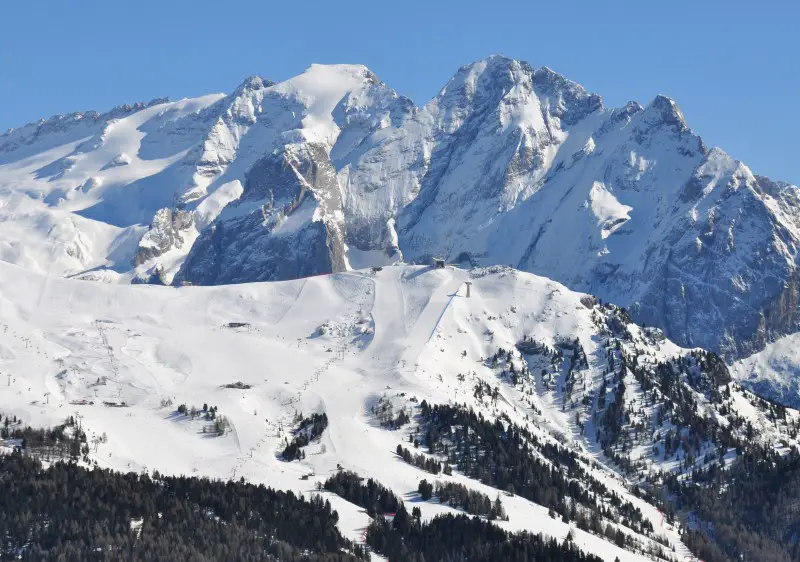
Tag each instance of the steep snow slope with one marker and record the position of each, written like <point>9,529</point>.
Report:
<point>332,170</point>
<point>56,173</point>
<point>774,371</point>
<point>122,358</point>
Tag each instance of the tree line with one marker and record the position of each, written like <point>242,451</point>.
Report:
<point>458,537</point>
<point>502,454</point>
<point>403,537</point>
<point>66,512</point>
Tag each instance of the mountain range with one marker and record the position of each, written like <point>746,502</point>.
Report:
<point>333,170</point>
<point>619,300</point>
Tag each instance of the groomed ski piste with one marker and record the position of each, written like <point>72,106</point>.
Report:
<point>122,358</point>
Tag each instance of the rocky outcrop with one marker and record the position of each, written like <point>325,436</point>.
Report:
<point>167,232</point>
<point>287,224</point>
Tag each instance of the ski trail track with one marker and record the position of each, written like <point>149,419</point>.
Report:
<point>391,358</point>
<point>399,336</point>
<point>282,426</point>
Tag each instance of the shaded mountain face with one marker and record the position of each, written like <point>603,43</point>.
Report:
<point>297,230</point>
<point>333,170</point>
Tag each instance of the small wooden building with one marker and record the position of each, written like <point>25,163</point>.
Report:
<point>438,263</point>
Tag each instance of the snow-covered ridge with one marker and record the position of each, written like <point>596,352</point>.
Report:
<point>30,131</point>
<point>507,165</point>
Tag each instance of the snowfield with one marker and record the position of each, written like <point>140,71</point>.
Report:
<point>332,170</point>
<point>123,358</point>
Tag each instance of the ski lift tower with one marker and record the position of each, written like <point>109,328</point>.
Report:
<point>468,284</point>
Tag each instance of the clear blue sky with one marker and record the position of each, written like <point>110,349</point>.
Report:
<point>733,66</point>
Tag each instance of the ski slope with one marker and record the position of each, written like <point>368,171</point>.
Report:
<point>336,344</point>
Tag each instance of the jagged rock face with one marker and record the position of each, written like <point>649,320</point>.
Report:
<point>166,232</point>
<point>507,165</point>
<point>243,250</point>
<point>296,230</point>
<point>728,279</point>
<point>494,131</point>
<point>373,125</point>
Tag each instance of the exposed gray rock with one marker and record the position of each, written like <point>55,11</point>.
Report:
<point>166,232</point>
<point>286,225</point>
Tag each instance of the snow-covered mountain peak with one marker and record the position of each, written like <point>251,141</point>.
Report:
<point>484,81</point>
<point>664,109</point>
<point>499,91</point>
<point>319,90</point>
<point>323,85</point>
<point>490,65</point>
<point>569,101</point>
<point>632,107</point>
<point>252,83</point>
